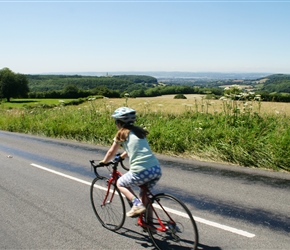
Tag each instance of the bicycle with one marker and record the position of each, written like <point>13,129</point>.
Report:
<point>167,220</point>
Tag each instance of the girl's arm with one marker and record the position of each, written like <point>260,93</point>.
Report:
<point>124,155</point>
<point>111,152</point>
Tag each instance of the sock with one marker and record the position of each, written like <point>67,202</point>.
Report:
<point>136,201</point>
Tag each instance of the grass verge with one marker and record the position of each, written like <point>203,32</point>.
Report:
<point>244,138</point>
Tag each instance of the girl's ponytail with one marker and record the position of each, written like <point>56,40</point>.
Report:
<point>123,132</point>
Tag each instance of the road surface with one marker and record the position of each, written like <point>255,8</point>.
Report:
<point>45,203</point>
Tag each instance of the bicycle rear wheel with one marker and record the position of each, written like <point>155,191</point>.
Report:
<point>179,231</point>
<point>108,204</point>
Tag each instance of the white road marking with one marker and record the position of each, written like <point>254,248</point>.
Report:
<point>201,220</point>
<point>224,227</point>
<point>61,174</point>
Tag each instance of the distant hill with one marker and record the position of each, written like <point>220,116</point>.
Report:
<point>126,83</point>
<point>42,83</point>
<point>174,74</point>
<point>277,83</point>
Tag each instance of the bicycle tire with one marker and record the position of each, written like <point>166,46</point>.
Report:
<point>182,234</point>
<point>111,214</point>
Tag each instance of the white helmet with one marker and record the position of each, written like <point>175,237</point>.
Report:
<point>124,114</point>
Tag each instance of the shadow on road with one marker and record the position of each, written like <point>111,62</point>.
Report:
<point>257,216</point>
<point>144,241</point>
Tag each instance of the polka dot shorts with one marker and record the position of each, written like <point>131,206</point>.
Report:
<point>150,176</point>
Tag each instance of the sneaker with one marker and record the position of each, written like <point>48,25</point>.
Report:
<point>136,210</point>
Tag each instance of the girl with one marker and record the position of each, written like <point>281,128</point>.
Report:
<point>144,167</point>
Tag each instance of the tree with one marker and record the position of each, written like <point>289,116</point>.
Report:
<point>12,85</point>
<point>71,91</point>
<point>22,85</point>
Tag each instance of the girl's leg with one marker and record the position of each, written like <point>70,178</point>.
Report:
<point>126,191</point>
<point>124,184</point>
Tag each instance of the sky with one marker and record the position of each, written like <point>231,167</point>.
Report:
<point>39,37</point>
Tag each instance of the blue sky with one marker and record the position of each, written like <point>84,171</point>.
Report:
<point>107,36</point>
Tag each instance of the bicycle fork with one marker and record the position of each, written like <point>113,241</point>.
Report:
<point>106,200</point>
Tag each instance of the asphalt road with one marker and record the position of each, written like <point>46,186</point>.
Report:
<point>45,203</point>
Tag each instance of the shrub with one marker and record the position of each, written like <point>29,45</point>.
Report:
<point>180,96</point>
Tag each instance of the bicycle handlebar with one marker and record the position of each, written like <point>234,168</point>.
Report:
<point>114,162</point>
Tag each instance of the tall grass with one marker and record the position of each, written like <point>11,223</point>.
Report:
<point>237,135</point>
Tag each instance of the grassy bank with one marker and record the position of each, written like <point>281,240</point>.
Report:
<point>235,135</point>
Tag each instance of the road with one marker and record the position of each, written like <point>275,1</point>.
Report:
<point>45,204</point>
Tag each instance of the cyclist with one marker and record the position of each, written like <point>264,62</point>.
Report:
<point>144,166</point>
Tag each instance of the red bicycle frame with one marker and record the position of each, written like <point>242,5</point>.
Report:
<point>114,177</point>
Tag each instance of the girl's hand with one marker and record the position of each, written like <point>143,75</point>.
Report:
<point>102,163</point>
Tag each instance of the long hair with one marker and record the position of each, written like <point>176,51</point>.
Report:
<point>124,131</point>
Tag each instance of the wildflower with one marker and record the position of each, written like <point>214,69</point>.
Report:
<point>235,86</point>
<point>257,97</point>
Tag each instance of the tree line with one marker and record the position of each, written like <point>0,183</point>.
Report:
<point>41,83</point>
<point>60,86</point>
<point>14,85</point>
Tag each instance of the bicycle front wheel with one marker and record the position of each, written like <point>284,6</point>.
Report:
<point>172,224</point>
<point>108,203</point>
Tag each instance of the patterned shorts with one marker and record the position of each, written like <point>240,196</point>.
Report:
<point>150,176</point>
